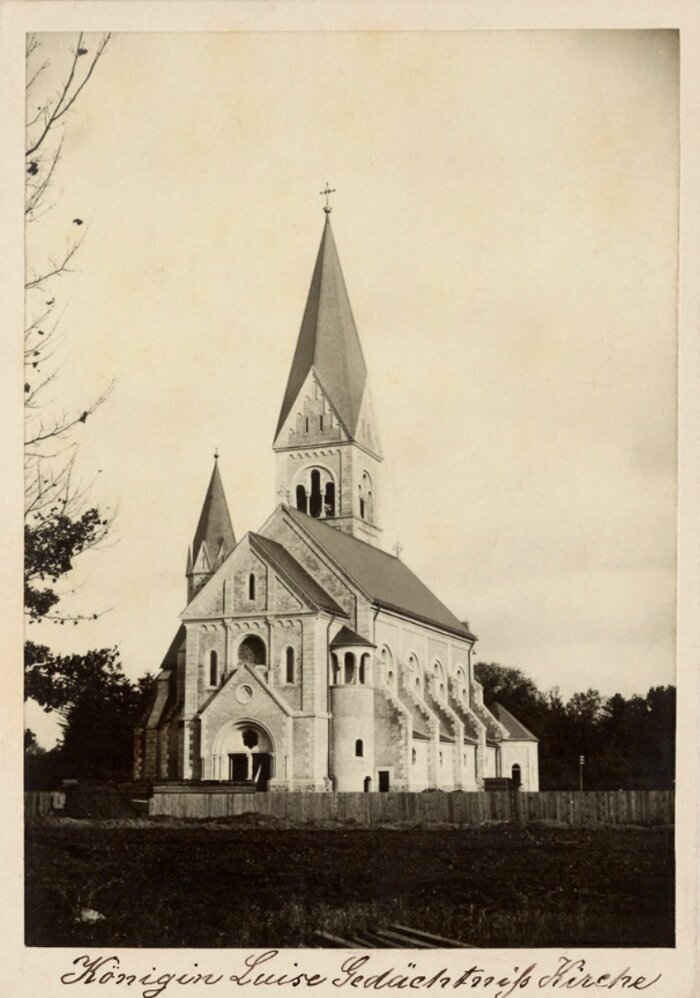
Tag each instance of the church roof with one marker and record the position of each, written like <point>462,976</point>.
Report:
<point>170,657</point>
<point>386,580</point>
<point>512,725</point>
<point>328,341</point>
<point>214,528</point>
<point>289,566</point>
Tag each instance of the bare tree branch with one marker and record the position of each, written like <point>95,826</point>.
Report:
<point>61,426</point>
<point>30,82</point>
<point>39,189</point>
<point>59,618</point>
<point>61,520</point>
<point>57,268</point>
<point>65,99</point>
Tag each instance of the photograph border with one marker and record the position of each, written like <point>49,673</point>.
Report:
<point>32,971</point>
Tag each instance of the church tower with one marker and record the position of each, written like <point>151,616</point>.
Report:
<point>326,444</point>
<point>214,539</point>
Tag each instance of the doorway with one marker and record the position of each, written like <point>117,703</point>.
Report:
<point>250,753</point>
<point>238,767</point>
<point>383,779</point>
<point>255,767</point>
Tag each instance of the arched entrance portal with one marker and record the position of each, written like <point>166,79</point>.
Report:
<point>248,750</point>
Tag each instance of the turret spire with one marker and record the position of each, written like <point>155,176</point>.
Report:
<point>214,538</point>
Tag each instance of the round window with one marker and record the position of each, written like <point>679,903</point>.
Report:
<point>244,693</point>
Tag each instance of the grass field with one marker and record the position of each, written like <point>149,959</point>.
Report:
<point>249,883</point>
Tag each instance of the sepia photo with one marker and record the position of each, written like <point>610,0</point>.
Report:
<point>351,393</point>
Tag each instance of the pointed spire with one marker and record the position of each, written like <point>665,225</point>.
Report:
<point>214,530</point>
<point>328,342</point>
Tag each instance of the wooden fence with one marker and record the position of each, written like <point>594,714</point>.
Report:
<point>39,803</point>
<point>597,807</point>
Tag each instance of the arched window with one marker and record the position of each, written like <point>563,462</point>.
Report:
<point>335,669</point>
<point>349,667</point>
<point>364,668</point>
<point>461,683</point>
<point>387,662</point>
<point>315,499</point>
<point>439,674</point>
<point>252,650</point>
<point>516,775</point>
<point>442,759</point>
<point>320,422</point>
<point>251,586</point>
<point>329,499</point>
<point>365,496</point>
<point>415,675</point>
<point>213,668</point>
<point>367,784</point>
<point>359,748</point>
<point>290,665</point>
<point>414,756</point>
<point>315,492</point>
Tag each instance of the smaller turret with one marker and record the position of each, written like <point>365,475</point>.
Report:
<point>214,538</point>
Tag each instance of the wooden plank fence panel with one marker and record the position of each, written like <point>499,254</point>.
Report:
<point>461,808</point>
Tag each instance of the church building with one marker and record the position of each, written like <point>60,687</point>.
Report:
<point>307,657</point>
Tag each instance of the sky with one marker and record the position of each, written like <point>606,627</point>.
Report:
<point>506,215</point>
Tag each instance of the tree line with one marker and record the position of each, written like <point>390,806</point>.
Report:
<point>628,743</point>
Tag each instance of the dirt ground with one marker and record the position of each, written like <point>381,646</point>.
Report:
<point>248,882</point>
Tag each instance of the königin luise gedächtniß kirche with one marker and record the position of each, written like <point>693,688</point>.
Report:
<point>307,658</point>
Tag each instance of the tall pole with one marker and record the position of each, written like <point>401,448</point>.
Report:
<point>581,761</point>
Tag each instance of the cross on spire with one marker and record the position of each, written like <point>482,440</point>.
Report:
<point>328,191</point>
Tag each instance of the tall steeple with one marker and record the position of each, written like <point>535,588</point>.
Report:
<point>328,342</point>
<point>326,439</point>
<point>214,538</point>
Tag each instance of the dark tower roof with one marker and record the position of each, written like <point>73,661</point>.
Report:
<point>328,341</point>
<point>214,528</point>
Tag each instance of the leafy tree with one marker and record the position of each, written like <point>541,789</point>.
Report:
<point>98,706</point>
<point>98,727</point>
<point>508,686</point>
<point>31,745</point>
<point>627,743</point>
